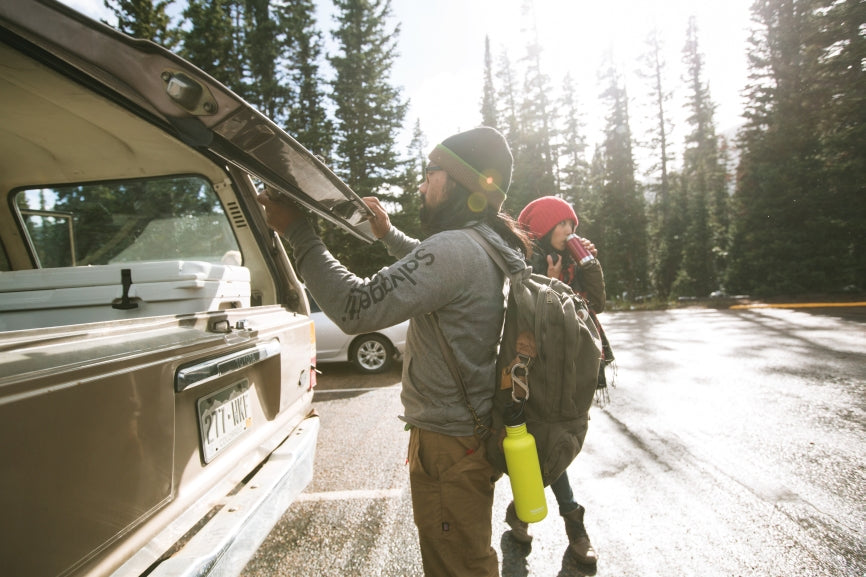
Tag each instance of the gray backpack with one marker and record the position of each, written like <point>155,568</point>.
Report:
<point>548,367</point>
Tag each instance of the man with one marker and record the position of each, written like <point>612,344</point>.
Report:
<point>451,275</point>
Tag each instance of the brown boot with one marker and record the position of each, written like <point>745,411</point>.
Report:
<point>578,541</point>
<point>519,529</point>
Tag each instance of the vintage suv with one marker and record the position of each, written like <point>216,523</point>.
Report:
<point>156,349</point>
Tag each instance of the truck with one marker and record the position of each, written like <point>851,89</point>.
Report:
<point>157,355</point>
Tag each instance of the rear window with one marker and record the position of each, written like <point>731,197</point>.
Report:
<point>168,218</point>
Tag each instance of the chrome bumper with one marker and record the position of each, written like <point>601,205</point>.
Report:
<point>227,542</point>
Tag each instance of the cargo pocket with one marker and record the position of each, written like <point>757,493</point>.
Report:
<point>467,499</point>
<point>455,489</point>
<point>452,501</point>
<point>426,500</point>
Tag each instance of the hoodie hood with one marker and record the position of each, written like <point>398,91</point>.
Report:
<point>513,259</point>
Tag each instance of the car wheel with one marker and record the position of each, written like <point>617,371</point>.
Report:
<point>371,354</point>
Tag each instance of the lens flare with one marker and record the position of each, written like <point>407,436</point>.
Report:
<point>489,180</point>
<point>477,202</point>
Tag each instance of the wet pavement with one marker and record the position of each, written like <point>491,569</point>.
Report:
<point>733,444</point>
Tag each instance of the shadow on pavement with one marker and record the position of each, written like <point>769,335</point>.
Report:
<point>343,380</point>
<point>514,556</point>
<point>571,568</point>
<point>516,564</point>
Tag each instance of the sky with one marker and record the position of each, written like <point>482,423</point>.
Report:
<point>440,65</point>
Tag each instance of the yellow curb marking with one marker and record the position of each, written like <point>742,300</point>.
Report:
<point>798,305</point>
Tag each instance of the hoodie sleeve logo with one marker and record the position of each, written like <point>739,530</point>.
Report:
<point>386,281</point>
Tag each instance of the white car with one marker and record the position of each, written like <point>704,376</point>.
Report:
<point>369,352</point>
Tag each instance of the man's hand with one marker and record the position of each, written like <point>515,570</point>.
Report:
<point>279,213</point>
<point>379,222</point>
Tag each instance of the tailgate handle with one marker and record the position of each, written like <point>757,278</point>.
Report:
<point>201,372</point>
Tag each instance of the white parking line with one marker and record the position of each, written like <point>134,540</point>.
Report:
<point>358,390</point>
<point>351,495</point>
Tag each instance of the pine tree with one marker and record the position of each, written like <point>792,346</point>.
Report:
<point>369,113</point>
<point>704,184</point>
<point>307,118</point>
<point>591,225</point>
<point>369,109</point>
<point>508,97</point>
<point>488,98</point>
<point>261,50</point>
<point>409,201</point>
<point>780,225</point>
<point>664,229</point>
<point>621,219</point>
<point>145,19</point>
<point>573,174</point>
<point>534,174</point>
<point>213,40</point>
<point>840,43</point>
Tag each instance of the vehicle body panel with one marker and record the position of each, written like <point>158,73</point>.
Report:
<point>142,441</point>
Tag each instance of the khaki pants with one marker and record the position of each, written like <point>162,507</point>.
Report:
<point>452,500</point>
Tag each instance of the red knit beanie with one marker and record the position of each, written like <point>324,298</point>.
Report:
<point>542,214</point>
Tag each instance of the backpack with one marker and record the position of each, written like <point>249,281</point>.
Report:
<point>548,365</point>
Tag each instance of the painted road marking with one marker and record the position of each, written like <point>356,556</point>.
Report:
<point>350,495</point>
<point>798,305</point>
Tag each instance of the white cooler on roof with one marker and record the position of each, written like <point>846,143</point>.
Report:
<point>86,294</point>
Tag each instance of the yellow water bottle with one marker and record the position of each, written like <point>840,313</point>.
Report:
<point>524,472</point>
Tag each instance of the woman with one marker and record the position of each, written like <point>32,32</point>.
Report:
<point>550,221</point>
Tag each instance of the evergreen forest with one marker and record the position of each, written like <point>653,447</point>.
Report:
<point>776,210</point>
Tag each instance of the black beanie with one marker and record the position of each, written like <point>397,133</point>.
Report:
<point>480,160</point>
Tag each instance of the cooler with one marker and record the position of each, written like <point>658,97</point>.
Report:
<point>86,294</point>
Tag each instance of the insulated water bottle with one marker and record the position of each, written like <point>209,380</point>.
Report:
<point>577,250</point>
<point>521,457</point>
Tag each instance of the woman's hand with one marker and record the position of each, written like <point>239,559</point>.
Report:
<point>588,245</point>
<point>554,268</point>
<point>379,222</point>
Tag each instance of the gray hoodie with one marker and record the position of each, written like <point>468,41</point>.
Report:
<point>448,273</point>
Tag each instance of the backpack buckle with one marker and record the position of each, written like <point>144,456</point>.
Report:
<point>520,378</point>
<point>482,431</point>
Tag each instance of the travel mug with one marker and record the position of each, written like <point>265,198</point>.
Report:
<point>577,250</point>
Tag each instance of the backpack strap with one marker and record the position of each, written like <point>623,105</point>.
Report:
<point>491,252</point>
<point>482,431</point>
<point>518,372</point>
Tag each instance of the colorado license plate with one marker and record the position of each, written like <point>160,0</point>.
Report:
<point>222,417</point>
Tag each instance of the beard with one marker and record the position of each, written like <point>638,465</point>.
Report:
<point>450,214</point>
<point>426,214</point>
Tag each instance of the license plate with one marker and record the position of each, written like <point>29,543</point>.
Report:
<point>223,416</point>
